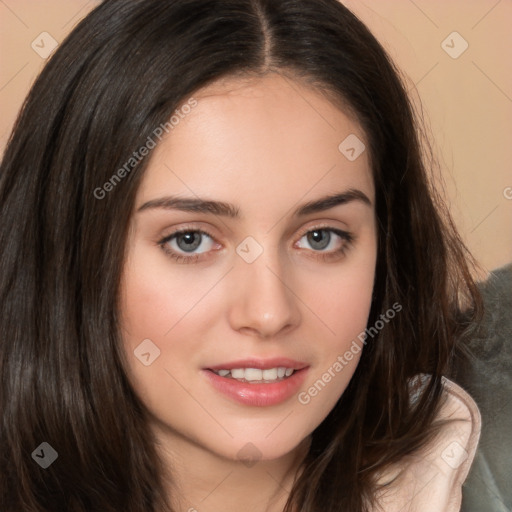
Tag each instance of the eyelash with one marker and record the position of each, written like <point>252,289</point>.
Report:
<point>347,237</point>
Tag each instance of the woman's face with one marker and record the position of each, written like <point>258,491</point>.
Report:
<point>267,278</point>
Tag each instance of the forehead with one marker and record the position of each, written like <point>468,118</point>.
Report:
<point>258,136</point>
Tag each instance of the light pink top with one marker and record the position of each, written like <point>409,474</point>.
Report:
<point>433,478</point>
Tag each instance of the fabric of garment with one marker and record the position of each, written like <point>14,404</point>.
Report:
<point>432,478</point>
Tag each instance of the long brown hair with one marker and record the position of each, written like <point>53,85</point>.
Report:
<point>120,74</point>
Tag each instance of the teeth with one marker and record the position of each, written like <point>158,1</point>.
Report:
<point>270,374</point>
<point>238,373</point>
<point>255,374</point>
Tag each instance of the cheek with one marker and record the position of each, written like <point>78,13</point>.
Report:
<point>342,303</point>
<point>154,298</point>
<point>149,309</point>
<point>349,306</point>
<point>169,307</point>
<point>342,299</point>
<point>153,310</point>
<point>146,310</point>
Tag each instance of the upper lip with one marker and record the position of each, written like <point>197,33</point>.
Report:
<point>262,364</point>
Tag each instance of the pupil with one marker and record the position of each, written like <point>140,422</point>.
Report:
<point>188,237</point>
<point>319,239</point>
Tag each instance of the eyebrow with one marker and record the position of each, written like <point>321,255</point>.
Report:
<point>198,205</point>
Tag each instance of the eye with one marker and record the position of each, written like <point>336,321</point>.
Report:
<point>182,245</point>
<point>326,242</point>
<point>331,241</point>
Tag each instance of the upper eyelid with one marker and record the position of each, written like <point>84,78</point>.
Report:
<point>312,224</point>
<point>188,230</point>
<point>303,231</point>
<point>327,227</point>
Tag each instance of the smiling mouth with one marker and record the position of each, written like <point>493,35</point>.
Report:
<point>256,375</point>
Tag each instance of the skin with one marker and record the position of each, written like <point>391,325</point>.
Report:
<point>267,145</point>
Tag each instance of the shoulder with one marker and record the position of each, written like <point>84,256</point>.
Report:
<point>432,479</point>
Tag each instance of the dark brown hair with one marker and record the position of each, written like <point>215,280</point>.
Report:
<point>121,73</point>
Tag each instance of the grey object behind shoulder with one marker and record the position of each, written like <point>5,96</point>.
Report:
<point>488,379</point>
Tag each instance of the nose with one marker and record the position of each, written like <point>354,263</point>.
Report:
<point>262,300</point>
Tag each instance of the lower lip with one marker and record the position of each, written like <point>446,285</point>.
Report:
<point>259,395</point>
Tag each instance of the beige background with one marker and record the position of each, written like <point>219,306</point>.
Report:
<point>467,100</point>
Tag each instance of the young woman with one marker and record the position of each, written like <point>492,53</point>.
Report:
<point>226,278</point>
